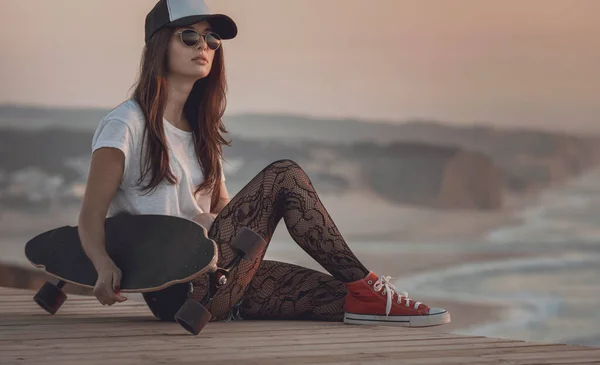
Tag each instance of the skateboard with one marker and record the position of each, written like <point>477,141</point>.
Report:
<point>153,253</point>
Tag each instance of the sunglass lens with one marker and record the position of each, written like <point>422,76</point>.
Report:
<point>213,41</point>
<point>190,38</point>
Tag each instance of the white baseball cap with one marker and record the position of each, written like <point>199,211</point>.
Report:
<point>181,13</point>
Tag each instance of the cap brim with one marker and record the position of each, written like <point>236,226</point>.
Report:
<point>221,24</point>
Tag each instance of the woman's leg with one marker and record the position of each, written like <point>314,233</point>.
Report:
<point>281,290</point>
<point>281,190</point>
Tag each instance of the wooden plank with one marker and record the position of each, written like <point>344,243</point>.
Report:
<point>134,323</point>
<point>173,330</point>
<point>348,359</point>
<point>42,319</point>
<point>167,348</point>
<point>84,332</point>
<point>571,353</point>
<point>384,359</point>
<point>218,347</point>
<point>423,355</point>
<point>298,335</point>
<point>237,354</point>
<point>118,345</point>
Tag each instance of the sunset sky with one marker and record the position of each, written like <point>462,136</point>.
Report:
<point>533,63</point>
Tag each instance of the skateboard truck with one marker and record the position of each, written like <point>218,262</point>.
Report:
<point>247,246</point>
<point>193,315</point>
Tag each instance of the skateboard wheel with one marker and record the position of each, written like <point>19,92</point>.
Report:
<point>250,243</point>
<point>192,316</point>
<point>50,297</point>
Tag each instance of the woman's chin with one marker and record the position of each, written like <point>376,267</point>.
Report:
<point>201,70</point>
<point>194,73</point>
<point>200,73</point>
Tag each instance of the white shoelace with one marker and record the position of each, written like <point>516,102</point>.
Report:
<point>384,282</point>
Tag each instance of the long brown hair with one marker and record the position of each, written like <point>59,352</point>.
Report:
<point>203,109</point>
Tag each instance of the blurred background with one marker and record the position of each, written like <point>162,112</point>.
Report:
<point>455,143</point>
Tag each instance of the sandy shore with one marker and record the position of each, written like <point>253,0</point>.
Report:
<point>359,215</point>
<point>363,216</point>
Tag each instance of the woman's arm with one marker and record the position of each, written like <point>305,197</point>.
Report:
<point>206,219</point>
<point>106,171</point>
<point>223,200</point>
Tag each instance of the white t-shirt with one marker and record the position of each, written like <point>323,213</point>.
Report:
<point>123,128</point>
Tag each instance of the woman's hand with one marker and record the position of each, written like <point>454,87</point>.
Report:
<point>108,284</point>
<point>205,220</point>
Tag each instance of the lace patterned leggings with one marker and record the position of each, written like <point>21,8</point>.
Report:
<point>266,289</point>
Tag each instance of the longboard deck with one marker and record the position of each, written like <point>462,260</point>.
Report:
<point>152,251</point>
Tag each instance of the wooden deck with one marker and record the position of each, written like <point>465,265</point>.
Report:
<point>84,332</point>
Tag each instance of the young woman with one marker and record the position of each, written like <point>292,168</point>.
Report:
<point>160,152</point>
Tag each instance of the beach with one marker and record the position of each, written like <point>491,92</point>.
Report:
<point>525,272</point>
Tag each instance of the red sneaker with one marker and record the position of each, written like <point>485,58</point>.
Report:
<point>376,301</point>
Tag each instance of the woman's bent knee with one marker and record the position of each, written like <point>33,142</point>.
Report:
<point>287,167</point>
<point>283,163</point>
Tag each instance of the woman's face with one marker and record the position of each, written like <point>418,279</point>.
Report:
<point>191,61</point>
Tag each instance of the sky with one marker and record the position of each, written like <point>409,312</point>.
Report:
<point>531,63</point>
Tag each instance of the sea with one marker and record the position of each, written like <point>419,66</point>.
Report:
<point>551,292</point>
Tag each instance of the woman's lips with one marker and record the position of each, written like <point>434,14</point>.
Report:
<point>200,60</point>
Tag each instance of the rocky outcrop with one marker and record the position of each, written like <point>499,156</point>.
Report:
<point>441,177</point>
<point>530,160</point>
<point>472,181</point>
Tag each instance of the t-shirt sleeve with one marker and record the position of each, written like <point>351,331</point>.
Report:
<point>114,133</point>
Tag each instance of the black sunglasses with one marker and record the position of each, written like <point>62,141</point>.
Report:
<point>191,38</point>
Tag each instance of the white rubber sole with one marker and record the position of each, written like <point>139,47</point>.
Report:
<point>403,321</point>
